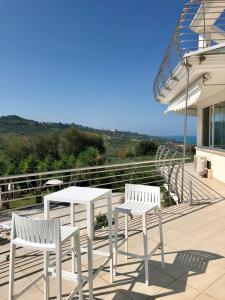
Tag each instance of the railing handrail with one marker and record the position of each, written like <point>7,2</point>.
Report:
<point>8,177</point>
<point>27,190</point>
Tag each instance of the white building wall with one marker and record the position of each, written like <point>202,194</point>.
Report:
<point>213,98</point>
<point>216,157</point>
<point>199,127</point>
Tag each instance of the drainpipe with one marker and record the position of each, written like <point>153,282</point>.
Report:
<point>187,65</point>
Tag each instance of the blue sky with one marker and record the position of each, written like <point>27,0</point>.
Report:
<point>91,62</point>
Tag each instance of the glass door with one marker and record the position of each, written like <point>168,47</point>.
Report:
<point>219,125</point>
<point>211,126</point>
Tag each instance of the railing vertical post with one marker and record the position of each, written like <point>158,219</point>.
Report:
<point>190,192</point>
<point>185,128</point>
<point>1,200</point>
<point>204,32</point>
<point>163,165</point>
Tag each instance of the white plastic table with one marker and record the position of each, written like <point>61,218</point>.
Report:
<point>86,196</point>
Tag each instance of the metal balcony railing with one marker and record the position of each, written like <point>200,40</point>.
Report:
<point>200,25</point>
<point>27,190</point>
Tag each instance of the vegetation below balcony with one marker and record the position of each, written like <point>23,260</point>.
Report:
<point>29,146</point>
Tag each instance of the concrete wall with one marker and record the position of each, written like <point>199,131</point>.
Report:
<point>217,159</point>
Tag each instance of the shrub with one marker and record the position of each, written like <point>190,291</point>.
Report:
<point>146,147</point>
<point>90,157</point>
<point>125,153</point>
<point>167,199</point>
<point>74,142</point>
<point>101,221</point>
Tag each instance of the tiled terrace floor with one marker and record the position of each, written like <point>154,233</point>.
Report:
<point>194,240</point>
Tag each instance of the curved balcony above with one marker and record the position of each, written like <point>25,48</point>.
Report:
<point>201,25</point>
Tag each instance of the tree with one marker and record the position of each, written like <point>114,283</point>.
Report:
<point>3,166</point>
<point>28,164</point>
<point>43,165</point>
<point>43,146</point>
<point>66,162</point>
<point>146,147</point>
<point>73,142</point>
<point>17,148</point>
<point>89,157</point>
<point>47,151</point>
<point>95,141</point>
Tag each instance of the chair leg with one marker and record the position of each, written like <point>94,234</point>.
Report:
<point>126,234</point>
<point>78,259</point>
<point>11,270</point>
<point>93,221</point>
<point>145,239</point>
<point>161,238</point>
<point>115,241</point>
<point>46,276</point>
<point>58,273</point>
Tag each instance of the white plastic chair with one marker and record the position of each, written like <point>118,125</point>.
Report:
<point>5,228</point>
<point>46,236</point>
<point>140,200</point>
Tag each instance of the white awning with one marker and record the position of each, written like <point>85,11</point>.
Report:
<point>180,103</point>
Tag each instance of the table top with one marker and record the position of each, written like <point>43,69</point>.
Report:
<point>76,194</point>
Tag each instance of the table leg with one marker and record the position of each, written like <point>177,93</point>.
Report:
<point>110,234</point>
<point>46,209</point>
<point>93,221</point>
<point>89,245</point>
<point>72,215</point>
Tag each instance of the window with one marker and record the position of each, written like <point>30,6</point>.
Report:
<point>211,126</point>
<point>214,126</point>
<point>219,125</point>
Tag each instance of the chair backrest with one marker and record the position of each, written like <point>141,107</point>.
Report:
<point>143,193</point>
<point>40,232</point>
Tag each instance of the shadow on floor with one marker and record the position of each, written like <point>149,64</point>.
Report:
<point>186,264</point>
<point>130,295</point>
<point>129,283</point>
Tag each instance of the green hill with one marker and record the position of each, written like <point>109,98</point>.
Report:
<point>16,125</point>
<point>13,124</point>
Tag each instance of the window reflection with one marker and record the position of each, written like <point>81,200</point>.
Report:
<point>219,123</point>
<point>211,126</point>
<point>214,126</point>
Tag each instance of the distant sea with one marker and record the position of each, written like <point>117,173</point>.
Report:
<point>191,139</point>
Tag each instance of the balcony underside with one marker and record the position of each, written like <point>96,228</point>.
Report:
<point>206,77</point>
